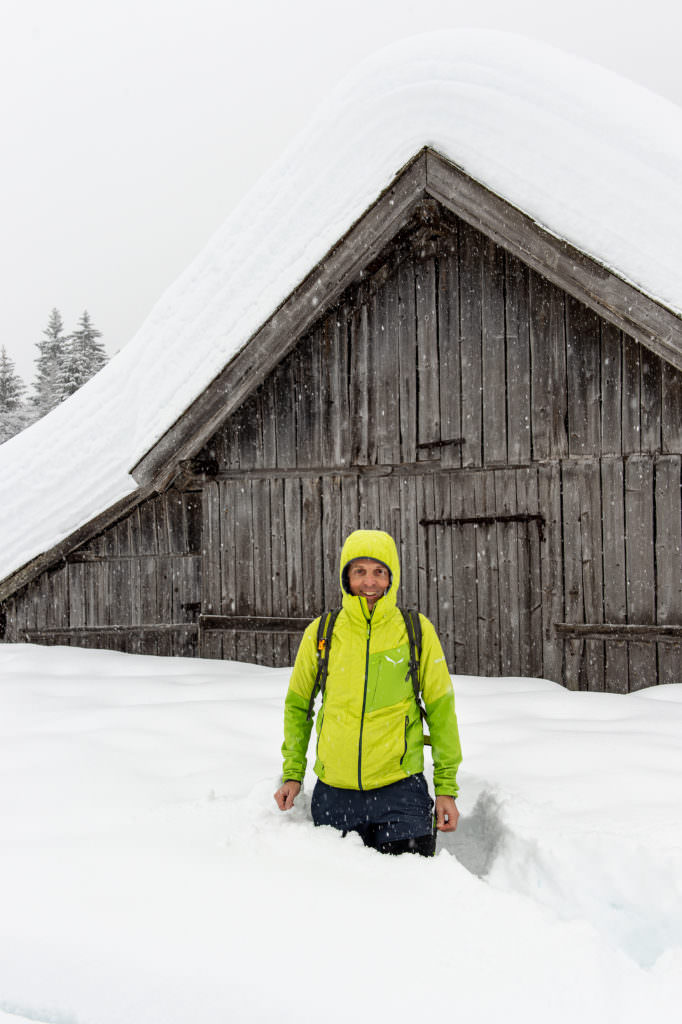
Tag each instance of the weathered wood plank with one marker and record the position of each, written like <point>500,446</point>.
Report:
<point>361,414</point>
<point>631,396</point>
<point>592,668</point>
<point>611,389</point>
<point>548,369</point>
<point>671,386</point>
<point>651,394</point>
<point>77,610</point>
<point>639,560</point>
<point>409,546</point>
<point>389,508</point>
<point>583,365</point>
<point>622,631</point>
<point>518,361</point>
<point>332,539</point>
<point>573,577</point>
<point>294,556</point>
<point>244,583</point>
<point>311,547</point>
<point>549,498</point>
<point>487,577</point>
<point>326,390</point>
<point>211,600</point>
<point>464,572</point>
<point>510,604</point>
<point>529,576</point>
<point>254,623</point>
<point>669,562</point>
<point>307,370</point>
<point>285,411</point>
<point>470,271</point>
<point>228,582</point>
<point>426,548</point>
<point>149,600</point>
<point>428,383</point>
<point>266,397</point>
<point>262,561</point>
<point>280,604</point>
<point>615,593</point>
<point>384,396</point>
<point>262,551</point>
<point>149,544</point>
<point>494,356</point>
<point>450,378</point>
<point>443,566</point>
<point>407,361</point>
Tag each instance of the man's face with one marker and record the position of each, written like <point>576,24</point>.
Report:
<point>369,579</point>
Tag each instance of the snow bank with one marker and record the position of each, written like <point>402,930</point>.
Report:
<point>594,158</point>
<point>146,874</point>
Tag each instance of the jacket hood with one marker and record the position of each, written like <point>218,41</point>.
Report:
<point>371,544</point>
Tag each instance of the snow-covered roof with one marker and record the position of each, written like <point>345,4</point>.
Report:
<point>594,158</point>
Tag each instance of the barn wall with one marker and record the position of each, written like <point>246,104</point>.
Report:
<point>524,454</point>
<point>455,383</point>
<point>136,587</point>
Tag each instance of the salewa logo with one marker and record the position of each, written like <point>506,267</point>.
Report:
<point>399,662</point>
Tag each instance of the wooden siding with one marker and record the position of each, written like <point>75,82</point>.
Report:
<point>459,383</point>
<point>524,453</point>
<point>136,587</point>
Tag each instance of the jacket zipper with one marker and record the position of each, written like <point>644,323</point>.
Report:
<point>407,722</point>
<point>362,716</point>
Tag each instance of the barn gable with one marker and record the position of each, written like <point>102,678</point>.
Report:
<point>429,176</point>
<point>521,442</point>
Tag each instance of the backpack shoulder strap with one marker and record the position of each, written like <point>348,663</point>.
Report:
<point>414,635</point>
<point>325,631</point>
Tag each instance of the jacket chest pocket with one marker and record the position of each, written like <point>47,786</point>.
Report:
<point>386,682</point>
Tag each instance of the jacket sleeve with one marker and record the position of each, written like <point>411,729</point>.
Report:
<point>439,703</point>
<point>296,725</point>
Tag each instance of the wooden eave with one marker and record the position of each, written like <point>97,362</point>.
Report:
<point>427,175</point>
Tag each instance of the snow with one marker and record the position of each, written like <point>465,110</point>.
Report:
<point>146,874</point>
<point>594,158</point>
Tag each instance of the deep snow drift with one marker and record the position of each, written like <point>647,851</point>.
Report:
<point>147,876</point>
<point>594,158</point>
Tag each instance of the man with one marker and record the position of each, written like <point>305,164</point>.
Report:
<point>370,742</point>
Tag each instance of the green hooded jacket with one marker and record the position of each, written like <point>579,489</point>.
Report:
<point>369,731</point>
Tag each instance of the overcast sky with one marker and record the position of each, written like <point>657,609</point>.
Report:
<point>131,128</point>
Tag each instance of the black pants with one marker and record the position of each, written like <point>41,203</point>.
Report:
<point>392,819</point>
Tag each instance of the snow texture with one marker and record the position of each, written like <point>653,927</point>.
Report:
<point>147,875</point>
<point>591,156</point>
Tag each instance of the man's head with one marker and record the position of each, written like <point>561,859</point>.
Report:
<point>377,569</point>
<point>368,578</point>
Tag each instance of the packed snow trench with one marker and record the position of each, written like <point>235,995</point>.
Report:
<point>147,877</point>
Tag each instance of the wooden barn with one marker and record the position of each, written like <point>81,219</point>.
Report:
<point>507,408</point>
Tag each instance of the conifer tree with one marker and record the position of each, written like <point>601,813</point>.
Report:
<point>83,357</point>
<point>50,366</point>
<point>14,415</point>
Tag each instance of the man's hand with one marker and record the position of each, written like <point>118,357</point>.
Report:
<point>287,793</point>
<point>447,814</point>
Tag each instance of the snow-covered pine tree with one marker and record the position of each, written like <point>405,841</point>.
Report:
<point>14,415</point>
<point>48,386</point>
<point>84,356</point>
